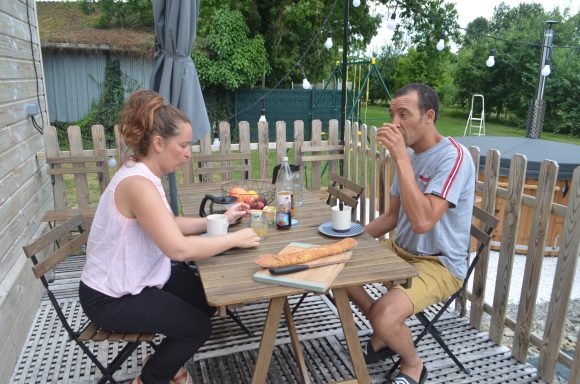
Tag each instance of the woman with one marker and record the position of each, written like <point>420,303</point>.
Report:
<point>127,284</point>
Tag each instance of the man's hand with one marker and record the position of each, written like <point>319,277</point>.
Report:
<point>391,137</point>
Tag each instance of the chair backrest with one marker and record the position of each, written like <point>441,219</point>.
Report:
<point>59,243</point>
<point>339,188</point>
<point>482,233</point>
<point>224,165</point>
<point>79,167</point>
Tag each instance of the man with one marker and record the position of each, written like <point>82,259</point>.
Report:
<point>431,206</point>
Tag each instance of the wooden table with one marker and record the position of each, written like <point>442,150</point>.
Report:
<point>227,279</point>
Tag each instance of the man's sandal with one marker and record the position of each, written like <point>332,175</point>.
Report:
<point>372,356</point>
<point>405,379</point>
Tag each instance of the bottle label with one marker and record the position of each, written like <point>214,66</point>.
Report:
<point>287,196</point>
<point>283,215</point>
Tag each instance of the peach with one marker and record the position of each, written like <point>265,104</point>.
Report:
<point>238,192</point>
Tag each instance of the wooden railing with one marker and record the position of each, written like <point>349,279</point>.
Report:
<point>368,165</point>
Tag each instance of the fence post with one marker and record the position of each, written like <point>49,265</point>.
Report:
<point>542,211</point>
<point>488,205</point>
<point>100,149</point>
<point>562,286</point>
<point>347,151</point>
<point>372,184</point>
<point>333,139</point>
<point>52,151</point>
<point>511,220</point>
<point>315,140</point>
<point>225,146</point>
<point>280,141</point>
<point>298,143</point>
<point>263,149</point>
<point>354,157</point>
<point>363,171</point>
<point>76,149</point>
<point>244,129</point>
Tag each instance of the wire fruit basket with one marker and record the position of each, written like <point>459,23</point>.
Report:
<point>256,193</point>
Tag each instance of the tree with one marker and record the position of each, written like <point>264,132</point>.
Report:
<point>509,86</point>
<point>227,58</point>
<point>288,27</point>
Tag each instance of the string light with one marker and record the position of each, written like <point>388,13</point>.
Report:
<point>547,70</point>
<point>112,162</point>
<point>356,3</point>
<point>262,116</point>
<point>392,23</point>
<point>490,62</point>
<point>305,82</point>
<point>441,43</point>
<point>328,42</point>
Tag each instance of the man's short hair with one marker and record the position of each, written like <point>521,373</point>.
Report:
<point>428,98</point>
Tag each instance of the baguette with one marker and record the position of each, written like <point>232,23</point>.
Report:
<point>273,260</point>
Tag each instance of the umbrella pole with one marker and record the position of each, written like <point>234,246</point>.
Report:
<point>173,193</point>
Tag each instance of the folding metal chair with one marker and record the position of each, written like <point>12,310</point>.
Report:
<point>68,244</point>
<point>483,236</point>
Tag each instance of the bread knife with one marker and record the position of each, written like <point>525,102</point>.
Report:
<point>300,267</point>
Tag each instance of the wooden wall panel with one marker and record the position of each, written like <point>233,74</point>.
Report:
<point>25,189</point>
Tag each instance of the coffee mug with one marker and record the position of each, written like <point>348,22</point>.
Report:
<point>341,219</point>
<point>217,224</point>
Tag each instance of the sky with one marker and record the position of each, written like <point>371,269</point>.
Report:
<point>468,10</point>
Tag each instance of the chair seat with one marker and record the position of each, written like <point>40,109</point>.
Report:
<point>94,333</point>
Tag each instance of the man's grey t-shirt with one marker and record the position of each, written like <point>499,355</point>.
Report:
<point>447,171</point>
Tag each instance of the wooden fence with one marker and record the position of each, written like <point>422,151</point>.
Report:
<point>371,167</point>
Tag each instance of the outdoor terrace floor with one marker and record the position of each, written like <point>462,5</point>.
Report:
<point>229,356</point>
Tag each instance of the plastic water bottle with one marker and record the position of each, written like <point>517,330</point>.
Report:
<point>285,182</point>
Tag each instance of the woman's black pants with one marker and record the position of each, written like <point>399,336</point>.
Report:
<point>179,311</point>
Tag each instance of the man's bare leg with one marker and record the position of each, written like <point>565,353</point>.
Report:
<point>360,297</point>
<point>387,317</point>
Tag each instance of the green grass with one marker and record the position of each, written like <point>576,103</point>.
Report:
<point>449,124</point>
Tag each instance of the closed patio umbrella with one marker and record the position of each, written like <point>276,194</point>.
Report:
<point>174,76</point>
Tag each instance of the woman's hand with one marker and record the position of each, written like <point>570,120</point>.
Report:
<point>237,211</point>
<point>246,238</point>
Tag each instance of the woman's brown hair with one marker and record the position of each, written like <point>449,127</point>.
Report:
<point>146,114</point>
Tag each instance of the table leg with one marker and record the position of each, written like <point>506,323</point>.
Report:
<point>268,339</point>
<point>296,344</point>
<point>350,335</point>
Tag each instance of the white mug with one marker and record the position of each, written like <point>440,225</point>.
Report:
<point>341,219</point>
<point>217,225</point>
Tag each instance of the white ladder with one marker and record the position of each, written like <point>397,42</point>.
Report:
<point>475,122</point>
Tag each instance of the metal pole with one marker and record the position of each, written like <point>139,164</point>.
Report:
<point>535,121</point>
<point>344,69</point>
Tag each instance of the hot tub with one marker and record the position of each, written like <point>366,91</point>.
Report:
<point>536,150</point>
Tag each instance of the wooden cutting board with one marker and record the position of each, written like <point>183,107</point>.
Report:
<point>315,279</point>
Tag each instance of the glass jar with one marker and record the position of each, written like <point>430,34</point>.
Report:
<point>259,223</point>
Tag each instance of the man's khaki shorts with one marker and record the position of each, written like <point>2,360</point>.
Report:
<point>433,284</point>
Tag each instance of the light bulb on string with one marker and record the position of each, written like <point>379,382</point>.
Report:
<point>356,3</point>
<point>262,116</point>
<point>441,43</point>
<point>328,42</point>
<point>546,70</point>
<point>490,62</point>
<point>392,23</point>
<point>305,82</point>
